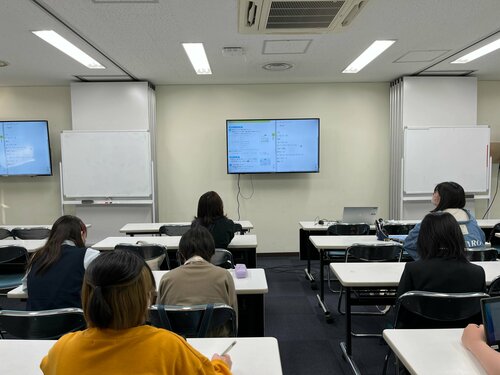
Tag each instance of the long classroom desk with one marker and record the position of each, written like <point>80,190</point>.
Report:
<point>250,292</point>
<point>243,248</point>
<point>250,356</point>
<point>313,228</point>
<point>379,275</point>
<point>30,245</point>
<point>432,351</point>
<point>132,229</point>
<point>325,243</point>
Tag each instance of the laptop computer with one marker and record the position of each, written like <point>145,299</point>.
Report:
<point>490,309</point>
<point>357,215</point>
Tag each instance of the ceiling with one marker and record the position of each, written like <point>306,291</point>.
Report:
<point>141,40</point>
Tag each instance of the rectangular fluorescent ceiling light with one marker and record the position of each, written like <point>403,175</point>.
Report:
<point>493,46</point>
<point>376,48</point>
<point>68,48</point>
<point>198,57</point>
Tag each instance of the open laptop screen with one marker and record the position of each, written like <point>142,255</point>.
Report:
<point>356,215</point>
<point>490,308</point>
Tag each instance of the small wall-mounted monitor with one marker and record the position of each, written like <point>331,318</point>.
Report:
<point>272,146</point>
<point>25,148</point>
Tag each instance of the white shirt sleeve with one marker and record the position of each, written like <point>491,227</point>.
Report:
<point>90,255</point>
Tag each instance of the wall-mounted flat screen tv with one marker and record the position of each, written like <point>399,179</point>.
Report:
<point>25,148</point>
<point>273,146</point>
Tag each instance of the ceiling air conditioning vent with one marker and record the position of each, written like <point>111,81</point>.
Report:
<point>296,17</point>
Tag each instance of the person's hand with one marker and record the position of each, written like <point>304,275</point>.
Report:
<point>472,335</point>
<point>224,358</point>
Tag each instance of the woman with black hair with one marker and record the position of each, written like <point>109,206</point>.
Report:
<point>211,215</point>
<point>450,197</point>
<point>55,272</point>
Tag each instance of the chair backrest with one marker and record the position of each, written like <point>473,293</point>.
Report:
<point>155,255</point>
<point>383,252</point>
<point>13,258</point>
<point>438,310</point>
<point>174,230</point>
<point>343,229</point>
<point>4,233</point>
<point>398,228</point>
<point>482,255</point>
<point>223,258</point>
<point>211,320</point>
<point>41,325</point>
<point>34,233</point>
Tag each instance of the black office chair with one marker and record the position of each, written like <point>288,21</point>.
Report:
<point>155,255</point>
<point>4,233</point>
<point>211,320</point>
<point>383,252</point>
<point>481,255</point>
<point>13,261</point>
<point>342,229</point>
<point>397,229</point>
<point>40,325</point>
<point>493,239</point>
<point>222,258</point>
<point>34,233</point>
<point>174,230</point>
<point>420,309</point>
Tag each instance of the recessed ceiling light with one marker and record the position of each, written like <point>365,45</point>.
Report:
<point>493,46</point>
<point>277,66</point>
<point>376,48</point>
<point>68,48</point>
<point>198,57</point>
<point>3,64</point>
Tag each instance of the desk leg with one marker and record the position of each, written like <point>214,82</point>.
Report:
<point>321,296</point>
<point>346,346</point>
<point>305,247</point>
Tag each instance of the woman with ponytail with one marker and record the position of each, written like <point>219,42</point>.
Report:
<point>117,289</point>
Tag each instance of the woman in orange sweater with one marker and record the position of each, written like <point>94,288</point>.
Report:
<point>117,290</point>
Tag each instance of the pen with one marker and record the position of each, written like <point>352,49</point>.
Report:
<point>228,348</point>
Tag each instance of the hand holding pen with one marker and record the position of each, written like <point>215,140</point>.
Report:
<point>224,356</point>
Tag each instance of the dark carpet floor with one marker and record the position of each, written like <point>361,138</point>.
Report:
<point>308,344</point>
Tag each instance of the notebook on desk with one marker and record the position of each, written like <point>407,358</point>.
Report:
<point>490,309</point>
<point>356,215</point>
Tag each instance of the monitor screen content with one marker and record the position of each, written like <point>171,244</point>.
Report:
<point>272,146</point>
<point>24,148</point>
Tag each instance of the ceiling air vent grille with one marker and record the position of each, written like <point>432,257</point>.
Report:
<point>302,14</point>
<point>296,17</point>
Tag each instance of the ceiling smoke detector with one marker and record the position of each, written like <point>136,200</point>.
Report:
<point>277,66</point>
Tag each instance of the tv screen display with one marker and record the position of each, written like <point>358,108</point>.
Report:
<point>25,148</point>
<point>272,146</point>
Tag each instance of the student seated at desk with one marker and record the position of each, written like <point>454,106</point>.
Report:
<point>450,197</point>
<point>443,266</point>
<point>55,272</point>
<point>211,215</point>
<point>117,290</point>
<point>474,340</point>
<point>197,281</point>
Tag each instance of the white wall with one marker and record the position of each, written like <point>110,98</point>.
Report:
<point>191,152</point>
<point>354,150</point>
<point>34,200</point>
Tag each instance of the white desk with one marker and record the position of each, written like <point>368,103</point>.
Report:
<point>325,243</point>
<point>433,351</point>
<point>376,275</point>
<point>250,356</point>
<point>154,228</point>
<point>244,248</point>
<point>250,292</point>
<point>10,227</point>
<point>30,245</point>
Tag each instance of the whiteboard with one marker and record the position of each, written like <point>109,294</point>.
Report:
<point>438,154</point>
<point>106,164</point>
